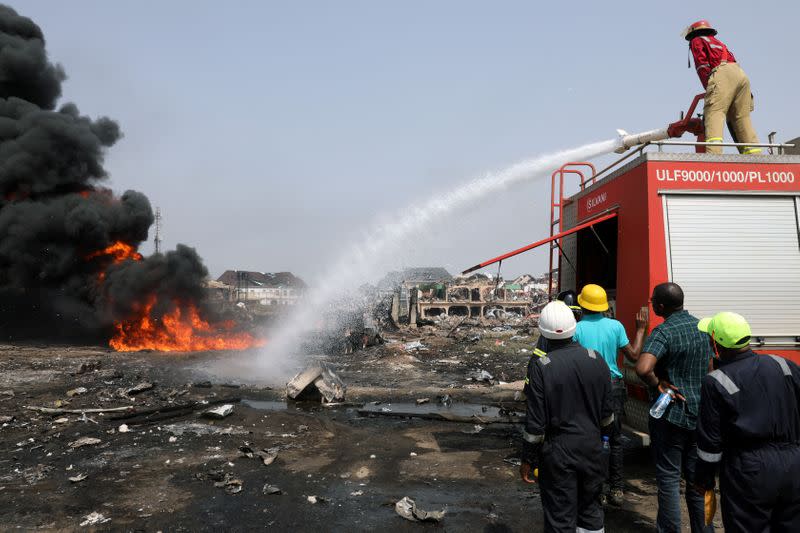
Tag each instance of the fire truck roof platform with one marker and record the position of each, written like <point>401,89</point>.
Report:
<point>616,169</point>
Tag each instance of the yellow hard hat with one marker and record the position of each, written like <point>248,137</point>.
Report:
<point>593,297</point>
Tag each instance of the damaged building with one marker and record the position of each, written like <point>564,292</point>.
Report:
<point>428,293</point>
<point>402,285</point>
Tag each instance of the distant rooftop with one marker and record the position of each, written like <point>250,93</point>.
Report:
<point>262,279</point>
<point>417,275</point>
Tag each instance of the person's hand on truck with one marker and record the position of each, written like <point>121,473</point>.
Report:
<point>643,318</point>
<point>632,350</point>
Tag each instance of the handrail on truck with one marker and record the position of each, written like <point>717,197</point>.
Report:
<point>687,123</point>
<point>564,169</point>
<point>780,146</point>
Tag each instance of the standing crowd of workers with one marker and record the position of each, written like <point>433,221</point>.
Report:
<point>734,413</point>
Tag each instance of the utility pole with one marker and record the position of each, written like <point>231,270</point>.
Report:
<point>157,239</point>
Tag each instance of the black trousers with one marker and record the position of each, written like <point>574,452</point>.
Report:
<point>760,490</point>
<point>571,482</point>
<point>619,394</point>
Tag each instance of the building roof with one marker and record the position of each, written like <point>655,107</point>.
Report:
<point>416,275</point>
<point>213,284</point>
<point>262,279</point>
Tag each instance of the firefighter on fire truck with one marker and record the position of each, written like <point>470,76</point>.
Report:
<point>728,95</point>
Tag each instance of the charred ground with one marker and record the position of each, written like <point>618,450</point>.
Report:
<point>176,470</point>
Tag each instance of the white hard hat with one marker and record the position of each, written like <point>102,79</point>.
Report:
<point>556,321</point>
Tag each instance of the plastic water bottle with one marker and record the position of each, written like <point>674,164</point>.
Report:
<point>657,411</point>
<point>606,445</point>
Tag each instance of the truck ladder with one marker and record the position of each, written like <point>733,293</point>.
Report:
<point>556,217</point>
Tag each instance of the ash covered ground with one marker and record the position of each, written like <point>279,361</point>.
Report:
<point>338,468</point>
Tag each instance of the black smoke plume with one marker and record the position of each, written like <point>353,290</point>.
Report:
<point>55,213</point>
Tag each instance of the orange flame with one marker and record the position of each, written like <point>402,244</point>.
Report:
<point>180,330</point>
<point>119,251</point>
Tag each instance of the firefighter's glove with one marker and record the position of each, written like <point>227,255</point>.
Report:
<point>528,468</point>
<point>710,505</point>
<point>528,473</point>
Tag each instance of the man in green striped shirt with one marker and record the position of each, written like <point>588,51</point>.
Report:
<point>675,356</point>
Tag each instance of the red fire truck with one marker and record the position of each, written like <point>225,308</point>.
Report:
<point>724,227</point>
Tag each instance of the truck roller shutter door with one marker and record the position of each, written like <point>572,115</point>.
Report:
<point>738,253</point>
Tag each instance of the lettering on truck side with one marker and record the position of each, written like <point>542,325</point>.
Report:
<point>724,176</point>
<point>594,201</point>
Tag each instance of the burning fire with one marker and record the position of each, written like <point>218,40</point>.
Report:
<point>118,251</point>
<point>180,330</point>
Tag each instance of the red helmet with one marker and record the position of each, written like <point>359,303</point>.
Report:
<point>701,27</point>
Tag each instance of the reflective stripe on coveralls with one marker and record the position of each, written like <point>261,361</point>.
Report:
<point>709,457</point>
<point>781,363</point>
<point>533,439</point>
<point>539,353</point>
<point>726,382</point>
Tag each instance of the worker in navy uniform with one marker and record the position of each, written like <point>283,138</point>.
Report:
<point>749,428</point>
<point>568,396</point>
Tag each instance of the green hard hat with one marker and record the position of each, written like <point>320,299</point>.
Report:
<point>728,329</point>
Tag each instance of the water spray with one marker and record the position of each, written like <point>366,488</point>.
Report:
<point>364,259</point>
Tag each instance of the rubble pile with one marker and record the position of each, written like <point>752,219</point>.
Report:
<point>316,383</point>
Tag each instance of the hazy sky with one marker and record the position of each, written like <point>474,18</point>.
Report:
<point>272,134</point>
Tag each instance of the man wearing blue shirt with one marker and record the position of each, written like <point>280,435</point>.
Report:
<point>607,337</point>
